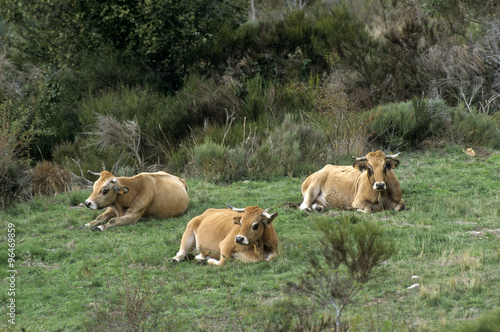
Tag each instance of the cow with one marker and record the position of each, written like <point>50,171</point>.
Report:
<point>369,185</point>
<point>127,199</point>
<point>242,234</point>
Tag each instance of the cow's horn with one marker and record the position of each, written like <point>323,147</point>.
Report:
<point>235,209</point>
<point>359,159</point>
<point>392,156</point>
<point>93,173</point>
<point>267,215</point>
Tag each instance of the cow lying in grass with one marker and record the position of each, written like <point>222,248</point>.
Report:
<point>158,195</point>
<point>221,234</point>
<point>369,185</point>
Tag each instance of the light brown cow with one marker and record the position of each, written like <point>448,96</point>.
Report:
<point>243,234</point>
<point>127,199</point>
<point>369,185</point>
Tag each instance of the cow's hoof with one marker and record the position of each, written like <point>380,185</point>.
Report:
<point>174,261</point>
<point>319,208</point>
<point>97,229</point>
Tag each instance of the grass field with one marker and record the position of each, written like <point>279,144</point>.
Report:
<point>72,279</point>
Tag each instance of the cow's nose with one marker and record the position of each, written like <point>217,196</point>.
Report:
<point>380,186</point>
<point>88,203</point>
<point>239,239</point>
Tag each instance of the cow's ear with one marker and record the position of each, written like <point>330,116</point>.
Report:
<point>268,218</point>
<point>123,190</point>
<point>237,221</point>
<point>361,166</point>
<point>393,163</point>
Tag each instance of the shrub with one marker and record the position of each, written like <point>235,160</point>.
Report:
<point>474,128</point>
<point>488,322</point>
<point>20,126</point>
<point>50,179</point>
<point>270,102</point>
<point>335,113</point>
<point>209,158</point>
<point>83,154</point>
<point>287,150</point>
<point>356,246</point>
<point>407,125</point>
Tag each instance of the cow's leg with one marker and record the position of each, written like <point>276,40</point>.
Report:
<point>220,262</point>
<point>400,206</point>
<point>187,242</point>
<point>118,221</point>
<point>310,195</point>
<point>271,256</point>
<point>226,247</point>
<point>367,206</point>
<point>109,213</point>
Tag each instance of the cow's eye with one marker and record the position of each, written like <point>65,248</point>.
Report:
<point>370,170</point>
<point>255,226</point>
<point>105,191</point>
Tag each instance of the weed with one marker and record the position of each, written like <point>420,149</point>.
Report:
<point>128,304</point>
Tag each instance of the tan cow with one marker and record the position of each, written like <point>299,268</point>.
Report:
<point>127,199</point>
<point>243,234</point>
<point>369,185</point>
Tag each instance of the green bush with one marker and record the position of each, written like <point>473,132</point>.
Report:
<point>474,129</point>
<point>488,322</point>
<point>287,150</point>
<point>407,125</point>
<point>83,154</point>
<point>209,158</point>
<point>21,124</point>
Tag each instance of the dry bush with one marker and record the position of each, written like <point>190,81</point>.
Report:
<point>50,179</point>
<point>335,113</point>
<point>127,134</point>
<point>457,71</point>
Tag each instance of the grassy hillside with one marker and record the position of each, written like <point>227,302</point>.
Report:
<point>75,279</point>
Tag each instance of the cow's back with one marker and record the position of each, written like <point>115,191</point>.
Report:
<point>337,184</point>
<point>170,197</point>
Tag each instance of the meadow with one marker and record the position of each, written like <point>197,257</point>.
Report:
<point>73,279</point>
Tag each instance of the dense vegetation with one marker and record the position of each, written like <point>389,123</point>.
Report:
<point>202,89</point>
<point>223,91</point>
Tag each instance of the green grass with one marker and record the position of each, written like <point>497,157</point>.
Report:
<point>73,279</point>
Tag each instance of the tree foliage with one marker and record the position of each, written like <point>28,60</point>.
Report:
<point>159,35</point>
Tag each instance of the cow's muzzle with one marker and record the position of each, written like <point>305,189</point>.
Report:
<point>241,240</point>
<point>379,186</point>
<point>91,205</point>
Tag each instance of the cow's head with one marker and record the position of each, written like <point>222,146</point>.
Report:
<point>106,189</point>
<point>377,165</point>
<point>252,223</point>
